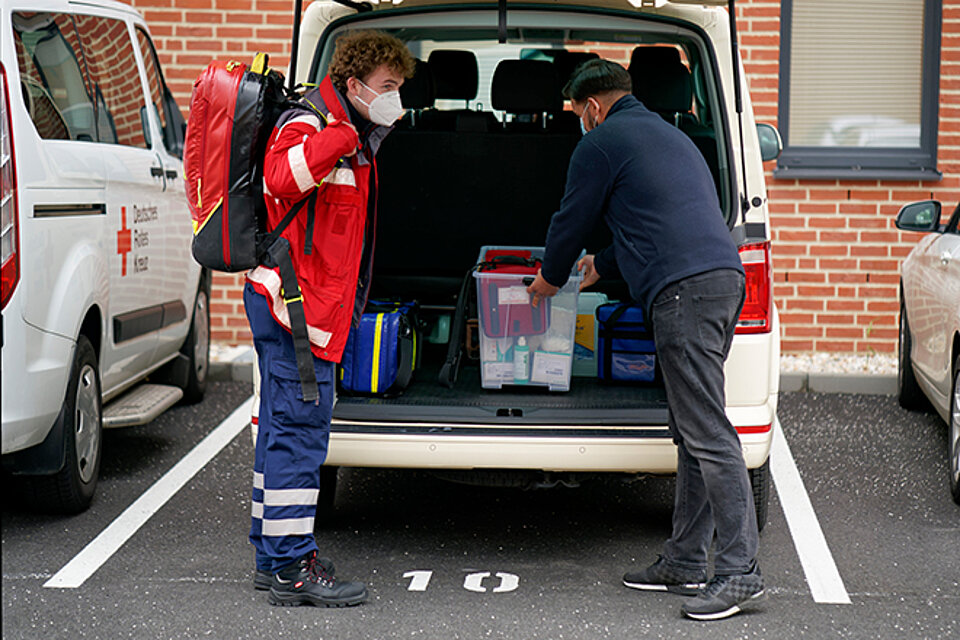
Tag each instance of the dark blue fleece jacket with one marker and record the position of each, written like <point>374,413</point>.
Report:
<point>652,187</point>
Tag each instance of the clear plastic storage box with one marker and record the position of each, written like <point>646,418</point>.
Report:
<point>520,344</point>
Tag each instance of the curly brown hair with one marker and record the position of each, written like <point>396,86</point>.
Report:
<point>360,53</point>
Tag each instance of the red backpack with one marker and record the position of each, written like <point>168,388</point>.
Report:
<point>233,110</point>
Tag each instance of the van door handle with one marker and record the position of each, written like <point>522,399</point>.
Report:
<point>156,172</point>
<point>946,257</point>
<point>171,174</point>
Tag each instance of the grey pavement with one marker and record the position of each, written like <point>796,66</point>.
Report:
<point>875,475</point>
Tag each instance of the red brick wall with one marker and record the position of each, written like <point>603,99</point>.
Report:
<point>836,252</point>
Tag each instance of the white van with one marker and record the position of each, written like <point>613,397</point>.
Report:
<point>481,159</point>
<point>100,289</point>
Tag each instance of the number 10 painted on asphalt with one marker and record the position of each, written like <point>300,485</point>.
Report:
<point>419,580</point>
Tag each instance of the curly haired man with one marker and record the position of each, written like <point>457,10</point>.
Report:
<point>321,154</point>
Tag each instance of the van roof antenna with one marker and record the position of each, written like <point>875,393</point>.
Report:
<point>744,199</point>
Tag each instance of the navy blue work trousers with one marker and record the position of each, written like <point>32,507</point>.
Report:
<point>291,443</point>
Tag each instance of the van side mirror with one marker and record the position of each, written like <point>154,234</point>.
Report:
<point>920,216</point>
<point>770,142</point>
<point>175,122</point>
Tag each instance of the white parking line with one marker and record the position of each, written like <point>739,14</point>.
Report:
<point>99,550</point>
<point>824,579</point>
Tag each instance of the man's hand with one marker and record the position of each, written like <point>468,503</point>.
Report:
<point>590,275</point>
<point>541,289</point>
<point>346,123</point>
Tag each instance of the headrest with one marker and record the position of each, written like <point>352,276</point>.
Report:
<point>660,80</point>
<point>455,73</point>
<point>525,86</point>
<point>566,61</point>
<point>420,91</point>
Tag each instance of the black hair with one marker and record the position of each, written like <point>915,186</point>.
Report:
<point>595,77</point>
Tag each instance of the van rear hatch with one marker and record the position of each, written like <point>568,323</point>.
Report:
<point>481,160</point>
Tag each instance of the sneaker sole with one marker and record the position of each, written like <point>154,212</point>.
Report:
<point>298,599</point>
<point>746,605</point>
<point>688,589</point>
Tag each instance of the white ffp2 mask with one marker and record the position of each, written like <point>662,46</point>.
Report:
<point>385,109</point>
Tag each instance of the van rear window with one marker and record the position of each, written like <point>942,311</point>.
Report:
<point>467,80</point>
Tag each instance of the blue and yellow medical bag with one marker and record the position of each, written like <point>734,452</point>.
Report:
<point>384,351</point>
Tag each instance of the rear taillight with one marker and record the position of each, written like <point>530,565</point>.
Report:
<point>758,305</point>
<point>9,233</point>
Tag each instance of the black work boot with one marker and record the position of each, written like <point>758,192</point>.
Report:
<point>305,582</point>
<point>263,579</point>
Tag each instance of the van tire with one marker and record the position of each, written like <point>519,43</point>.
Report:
<point>326,499</point>
<point>81,421</point>
<point>760,483</point>
<point>953,434</point>
<point>196,348</point>
<point>909,393</point>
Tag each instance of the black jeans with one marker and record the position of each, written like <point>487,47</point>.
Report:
<point>693,323</point>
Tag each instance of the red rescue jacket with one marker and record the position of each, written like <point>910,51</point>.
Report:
<point>303,153</point>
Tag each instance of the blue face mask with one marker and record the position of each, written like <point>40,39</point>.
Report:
<point>583,127</point>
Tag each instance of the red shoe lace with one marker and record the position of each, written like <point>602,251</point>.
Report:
<point>316,571</point>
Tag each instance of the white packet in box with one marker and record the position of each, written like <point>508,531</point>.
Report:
<point>497,373</point>
<point>551,368</point>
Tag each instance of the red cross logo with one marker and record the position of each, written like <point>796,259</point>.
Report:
<point>124,240</point>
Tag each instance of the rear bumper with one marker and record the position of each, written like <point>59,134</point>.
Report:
<point>36,365</point>
<point>621,450</point>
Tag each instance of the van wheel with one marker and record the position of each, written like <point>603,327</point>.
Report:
<point>953,434</point>
<point>909,393</point>
<point>197,346</point>
<point>326,497</point>
<point>81,420</point>
<point>760,483</point>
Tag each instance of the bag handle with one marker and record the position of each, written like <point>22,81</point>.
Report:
<point>451,366</point>
<point>496,261</point>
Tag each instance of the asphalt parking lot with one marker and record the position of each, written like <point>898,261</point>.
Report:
<point>444,560</point>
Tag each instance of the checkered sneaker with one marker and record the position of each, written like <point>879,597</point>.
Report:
<point>725,596</point>
<point>665,576</point>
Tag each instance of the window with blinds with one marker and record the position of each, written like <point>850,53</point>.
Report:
<point>856,80</point>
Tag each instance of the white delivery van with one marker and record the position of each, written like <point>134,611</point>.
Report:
<point>481,160</point>
<point>100,289</point>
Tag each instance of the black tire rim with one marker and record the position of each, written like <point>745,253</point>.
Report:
<point>87,422</point>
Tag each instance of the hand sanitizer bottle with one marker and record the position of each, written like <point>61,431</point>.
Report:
<point>521,362</point>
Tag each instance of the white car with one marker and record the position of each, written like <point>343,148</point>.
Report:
<point>481,160</point>
<point>100,289</point>
<point>929,344</point>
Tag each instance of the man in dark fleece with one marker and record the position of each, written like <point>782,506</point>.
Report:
<point>651,186</point>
